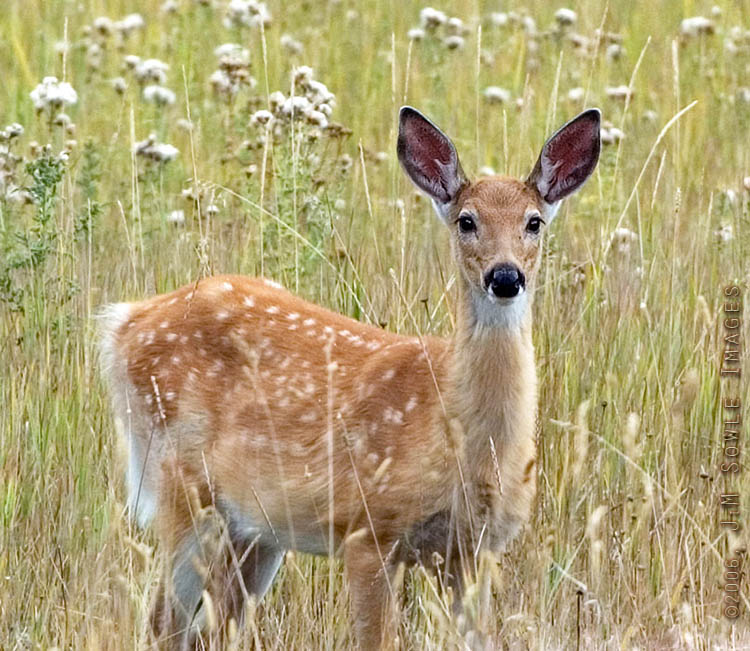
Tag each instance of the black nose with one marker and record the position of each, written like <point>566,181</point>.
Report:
<point>505,281</point>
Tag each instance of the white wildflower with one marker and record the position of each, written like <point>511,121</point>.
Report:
<point>566,17</point>
<point>129,24</point>
<point>52,94</point>
<point>499,19</point>
<point>295,105</point>
<point>119,84</point>
<point>576,94</point>
<point>743,94</point>
<point>430,18</point>
<point>318,119</point>
<point>623,239</point>
<point>453,42</point>
<point>302,74</point>
<point>290,44</point>
<point>486,170</point>
<point>234,52</point>
<point>529,25</point>
<point>246,13</point>
<point>170,6</point>
<point>183,124</point>
<point>103,25</point>
<point>745,181</point>
<point>455,26</point>
<point>621,92</point>
<point>496,95</point>
<point>156,151</point>
<point>697,26</point>
<point>158,95</point>
<point>318,93</point>
<point>132,61</point>
<point>725,233</point>
<point>176,217</point>
<point>15,130</point>
<point>611,135</point>
<point>151,70</point>
<point>415,34</point>
<point>614,51</point>
<point>261,117</point>
<point>276,100</point>
<point>221,83</point>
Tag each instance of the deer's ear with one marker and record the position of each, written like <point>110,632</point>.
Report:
<point>568,158</point>
<point>429,158</point>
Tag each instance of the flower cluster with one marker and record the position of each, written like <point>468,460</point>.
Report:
<point>436,25</point>
<point>9,161</point>
<point>246,13</point>
<point>151,75</point>
<point>51,95</point>
<point>311,103</point>
<point>233,71</point>
<point>98,34</point>
<point>157,152</point>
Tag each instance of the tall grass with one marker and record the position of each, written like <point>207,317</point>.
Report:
<point>625,549</point>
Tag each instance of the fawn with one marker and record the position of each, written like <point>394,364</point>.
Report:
<point>304,429</point>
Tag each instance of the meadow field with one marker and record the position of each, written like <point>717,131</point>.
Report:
<point>191,137</point>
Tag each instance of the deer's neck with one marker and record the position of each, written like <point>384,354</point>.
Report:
<point>494,386</point>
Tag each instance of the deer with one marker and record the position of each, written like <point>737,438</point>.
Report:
<point>303,429</point>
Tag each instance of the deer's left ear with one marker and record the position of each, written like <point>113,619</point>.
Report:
<point>568,158</point>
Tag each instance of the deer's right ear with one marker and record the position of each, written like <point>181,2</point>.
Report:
<point>429,158</point>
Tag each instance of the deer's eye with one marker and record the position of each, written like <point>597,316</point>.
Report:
<point>534,225</point>
<point>466,223</point>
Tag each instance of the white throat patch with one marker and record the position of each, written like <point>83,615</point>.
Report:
<point>506,313</point>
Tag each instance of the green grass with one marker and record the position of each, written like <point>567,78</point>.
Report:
<point>621,336</point>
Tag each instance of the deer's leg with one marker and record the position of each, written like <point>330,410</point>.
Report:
<point>251,568</point>
<point>192,544</point>
<point>372,593</point>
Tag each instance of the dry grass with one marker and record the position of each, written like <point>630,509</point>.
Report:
<point>626,548</point>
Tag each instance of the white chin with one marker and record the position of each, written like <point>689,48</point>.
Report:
<point>496,312</point>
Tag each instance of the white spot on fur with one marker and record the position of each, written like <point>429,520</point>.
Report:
<point>284,402</point>
<point>411,404</point>
<point>227,287</point>
<point>293,326</point>
<point>249,301</point>
<point>374,345</point>
<point>221,315</point>
<point>309,417</point>
<point>293,316</point>
<point>345,333</point>
<point>189,296</point>
<point>183,339</point>
<point>175,359</point>
<point>272,309</point>
<point>198,334</point>
<point>171,336</point>
<point>308,322</point>
<point>173,301</point>
<point>391,415</point>
<point>150,336</point>
<point>388,375</point>
<point>169,396</point>
<point>272,283</point>
<point>164,324</point>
